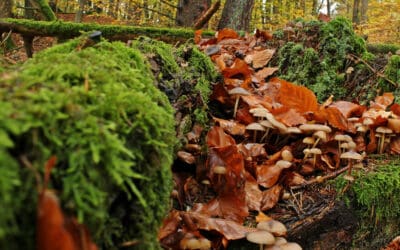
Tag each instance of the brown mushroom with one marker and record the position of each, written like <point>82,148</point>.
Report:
<point>352,156</point>
<point>237,93</point>
<point>275,227</point>
<point>261,237</point>
<point>255,126</point>
<point>381,133</point>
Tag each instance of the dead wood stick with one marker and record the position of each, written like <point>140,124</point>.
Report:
<point>321,179</point>
<point>207,16</point>
<point>356,59</point>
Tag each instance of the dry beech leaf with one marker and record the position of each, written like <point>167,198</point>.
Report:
<point>216,137</point>
<point>270,197</point>
<point>244,116</point>
<point>266,72</point>
<point>262,217</point>
<point>170,224</point>
<point>395,146</point>
<point>220,62</point>
<point>229,229</point>
<point>383,101</point>
<point>395,108</point>
<point>197,36</point>
<point>335,118</point>
<point>226,33</point>
<point>294,179</point>
<point>238,68</point>
<point>253,193</point>
<point>230,127</point>
<point>220,94</point>
<point>349,109</point>
<point>268,175</point>
<point>261,58</point>
<point>290,117</point>
<point>296,97</point>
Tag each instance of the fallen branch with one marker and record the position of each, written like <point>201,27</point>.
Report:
<point>357,59</point>
<point>321,179</point>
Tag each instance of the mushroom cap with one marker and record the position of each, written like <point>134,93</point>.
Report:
<point>321,135</point>
<point>238,91</point>
<point>261,237</point>
<point>306,151</point>
<point>394,124</point>
<point>351,155</point>
<point>283,164</point>
<point>280,241</point>
<point>364,128</point>
<point>315,127</point>
<point>266,124</point>
<point>255,126</point>
<point>352,145</point>
<point>219,170</point>
<point>287,155</point>
<point>205,244</point>
<point>294,130</point>
<point>190,243</point>
<point>290,246</point>
<point>384,130</point>
<point>315,151</point>
<point>282,127</point>
<point>368,121</point>
<point>275,227</point>
<point>259,112</point>
<point>309,140</point>
<point>339,137</point>
<point>347,138</point>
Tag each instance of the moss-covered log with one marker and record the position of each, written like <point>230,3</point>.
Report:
<point>97,109</point>
<point>65,30</point>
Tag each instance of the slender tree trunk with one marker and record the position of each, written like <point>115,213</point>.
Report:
<point>236,14</point>
<point>6,8</point>
<point>328,8</point>
<point>364,9</point>
<point>79,13</point>
<point>315,8</point>
<point>356,11</point>
<point>29,13</point>
<point>189,11</point>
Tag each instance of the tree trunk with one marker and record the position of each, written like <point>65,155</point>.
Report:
<point>328,8</point>
<point>189,11</point>
<point>315,8</point>
<point>6,8</point>
<point>356,11</point>
<point>236,14</point>
<point>364,9</point>
<point>79,13</point>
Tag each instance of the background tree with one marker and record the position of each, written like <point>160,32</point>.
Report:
<point>6,8</point>
<point>236,14</point>
<point>190,10</point>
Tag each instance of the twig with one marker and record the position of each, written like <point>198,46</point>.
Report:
<point>206,17</point>
<point>321,179</point>
<point>24,160</point>
<point>356,59</point>
<point>3,41</point>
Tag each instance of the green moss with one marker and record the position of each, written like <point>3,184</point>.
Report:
<point>46,10</point>
<point>114,143</point>
<point>383,48</point>
<point>321,69</point>
<point>376,196</point>
<point>392,72</point>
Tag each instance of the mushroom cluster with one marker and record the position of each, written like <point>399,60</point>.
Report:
<point>270,236</point>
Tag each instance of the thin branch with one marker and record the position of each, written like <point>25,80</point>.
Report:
<point>156,11</point>
<point>169,4</point>
<point>24,160</point>
<point>321,179</point>
<point>356,59</point>
<point>3,42</point>
<point>206,17</point>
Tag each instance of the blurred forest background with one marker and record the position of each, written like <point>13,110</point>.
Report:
<point>376,20</point>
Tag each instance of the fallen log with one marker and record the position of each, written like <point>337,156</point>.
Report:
<point>66,30</point>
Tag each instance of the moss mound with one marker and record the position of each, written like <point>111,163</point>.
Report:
<point>97,109</point>
<point>315,55</point>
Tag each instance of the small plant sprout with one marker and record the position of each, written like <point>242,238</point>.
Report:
<point>237,93</point>
<point>261,238</point>
<point>381,132</point>
<point>255,126</point>
<point>352,157</point>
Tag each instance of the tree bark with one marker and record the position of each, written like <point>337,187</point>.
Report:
<point>6,8</point>
<point>206,17</point>
<point>328,8</point>
<point>79,13</point>
<point>236,14</point>
<point>364,9</point>
<point>356,11</point>
<point>189,11</point>
<point>315,8</point>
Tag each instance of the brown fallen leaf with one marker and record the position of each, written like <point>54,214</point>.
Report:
<point>271,197</point>
<point>262,58</point>
<point>230,127</point>
<point>266,72</point>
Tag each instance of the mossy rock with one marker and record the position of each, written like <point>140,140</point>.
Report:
<point>98,110</point>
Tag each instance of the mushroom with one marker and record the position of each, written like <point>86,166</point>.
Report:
<point>237,93</point>
<point>287,155</point>
<point>351,156</point>
<point>219,170</point>
<point>290,246</point>
<point>315,127</point>
<point>381,132</point>
<point>261,237</point>
<point>259,113</point>
<point>275,227</point>
<point>309,141</point>
<point>282,127</point>
<point>315,152</point>
<point>268,125</point>
<point>320,135</point>
<point>394,125</point>
<point>255,126</point>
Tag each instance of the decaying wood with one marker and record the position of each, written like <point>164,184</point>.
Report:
<point>207,16</point>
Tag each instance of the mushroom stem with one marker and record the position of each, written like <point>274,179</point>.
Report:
<point>255,136</point>
<point>265,136</point>
<point>236,106</point>
<point>316,142</point>
<point>381,143</point>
